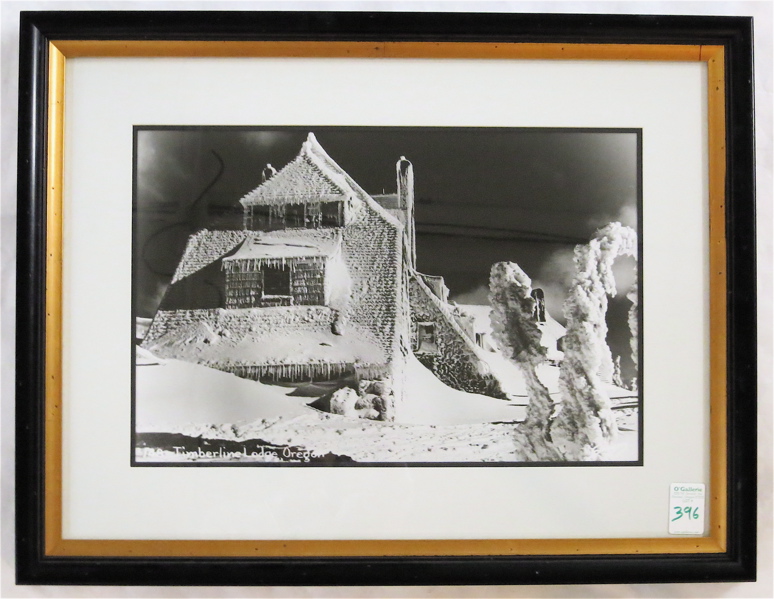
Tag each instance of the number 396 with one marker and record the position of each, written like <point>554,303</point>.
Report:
<point>687,511</point>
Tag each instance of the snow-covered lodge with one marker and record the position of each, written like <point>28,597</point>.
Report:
<point>320,282</point>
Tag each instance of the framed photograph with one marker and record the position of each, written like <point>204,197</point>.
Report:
<point>313,293</point>
<point>382,298</point>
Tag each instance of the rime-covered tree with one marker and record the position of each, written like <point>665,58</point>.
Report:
<point>617,376</point>
<point>633,297</point>
<point>580,425</point>
<point>517,334</point>
<point>585,424</point>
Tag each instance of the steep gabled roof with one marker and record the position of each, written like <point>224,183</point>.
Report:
<point>311,176</point>
<point>205,247</point>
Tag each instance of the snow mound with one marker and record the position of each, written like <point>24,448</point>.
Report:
<point>179,393</point>
<point>430,401</point>
<point>262,336</point>
<point>281,347</point>
<point>143,357</point>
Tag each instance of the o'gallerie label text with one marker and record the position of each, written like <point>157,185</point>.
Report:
<point>686,508</point>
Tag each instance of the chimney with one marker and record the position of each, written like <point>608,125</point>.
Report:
<point>268,172</point>
<point>405,173</point>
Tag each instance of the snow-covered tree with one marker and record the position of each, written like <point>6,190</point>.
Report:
<point>580,425</point>
<point>617,376</point>
<point>585,424</point>
<point>516,332</point>
<point>632,296</point>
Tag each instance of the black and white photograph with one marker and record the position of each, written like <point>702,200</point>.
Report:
<point>386,296</point>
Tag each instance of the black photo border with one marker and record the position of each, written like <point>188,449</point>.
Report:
<point>637,132</point>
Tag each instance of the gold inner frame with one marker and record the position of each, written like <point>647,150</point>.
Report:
<point>715,542</point>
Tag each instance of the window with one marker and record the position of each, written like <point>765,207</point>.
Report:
<point>332,214</point>
<point>539,311</point>
<point>258,218</point>
<point>276,280</point>
<point>313,216</point>
<point>294,216</point>
<point>425,341</point>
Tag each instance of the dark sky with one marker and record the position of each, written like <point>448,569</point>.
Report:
<point>483,195</point>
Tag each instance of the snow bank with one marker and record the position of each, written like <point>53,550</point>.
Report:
<point>175,394</point>
<point>430,401</point>
<point>200,402</point>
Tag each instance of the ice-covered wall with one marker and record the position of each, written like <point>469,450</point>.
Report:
<point>170,327</point>
<point>371,251</point>
<point>276,343</point>
<point>199,280</point>
<point>457,364</point>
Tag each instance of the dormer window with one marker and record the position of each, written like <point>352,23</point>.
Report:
<point>301,215</point>
<point>313,218</point>
<point>332,214</point>
<point>266,272</point>
<point>295,216</point>
<point>539,311</point>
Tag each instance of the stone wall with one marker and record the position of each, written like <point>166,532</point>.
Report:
<point>457,363</point>
<point>210,337</point>
<point>372,253</point>
<point>240,322</point>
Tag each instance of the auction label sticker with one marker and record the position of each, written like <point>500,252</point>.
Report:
<point>686,509</point>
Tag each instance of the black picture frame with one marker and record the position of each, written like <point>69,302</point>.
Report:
<point>735,563</point>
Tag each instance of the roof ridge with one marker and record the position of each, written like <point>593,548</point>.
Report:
<point>312,146</point>
<point>322,161</point>
<point>311,143</point>
<point>307,155</point>
<point>326,167</point>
